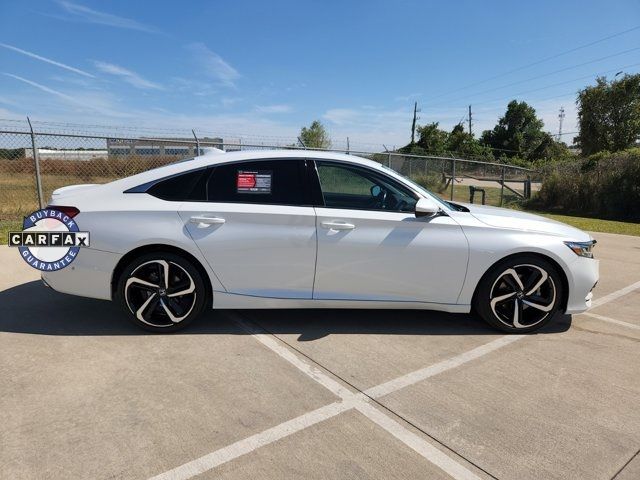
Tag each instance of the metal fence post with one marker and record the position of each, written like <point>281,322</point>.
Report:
<point>453,176</point>
<point>36,162</point>
<point>502,186</point>
<point>197,143</point>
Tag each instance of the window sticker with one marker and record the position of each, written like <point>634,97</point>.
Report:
<point>257,181</point>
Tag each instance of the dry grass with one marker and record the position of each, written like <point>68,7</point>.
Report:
<point>18,194</point>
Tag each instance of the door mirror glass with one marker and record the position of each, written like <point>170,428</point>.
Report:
<point>425,207</point>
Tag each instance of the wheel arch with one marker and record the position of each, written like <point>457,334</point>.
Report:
<point>547,258</point>
<point>159,247</point>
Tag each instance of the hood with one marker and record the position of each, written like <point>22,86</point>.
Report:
<point>516,220</point>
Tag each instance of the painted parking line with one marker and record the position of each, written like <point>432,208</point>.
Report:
<point>249,444</point>
<point>349,400</point>
<point>598,302</point>
<point>361,402</point>
<point>611,320</point>
<point>415,442</point>
<point>422,374</point>
<point>615,295</point>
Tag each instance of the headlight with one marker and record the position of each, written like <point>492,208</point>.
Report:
<point>582,249</point>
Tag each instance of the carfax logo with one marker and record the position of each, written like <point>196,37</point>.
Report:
<point>50,239</point>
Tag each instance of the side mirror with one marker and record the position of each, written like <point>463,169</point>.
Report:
<point>425,207</point>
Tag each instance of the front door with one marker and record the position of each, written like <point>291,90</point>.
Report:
<point>255,230</point>
<point>372,247</point>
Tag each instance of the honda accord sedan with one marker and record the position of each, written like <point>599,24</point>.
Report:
<point>305,229</point>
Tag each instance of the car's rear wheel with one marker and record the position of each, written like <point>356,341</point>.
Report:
<point>162,292</point>
<point>520,294</point>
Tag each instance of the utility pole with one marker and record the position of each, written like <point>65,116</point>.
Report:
<point>470,132</point>
<point>561,116</point>
<point>413,125</point>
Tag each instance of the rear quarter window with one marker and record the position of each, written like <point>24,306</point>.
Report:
<point>188,186</point>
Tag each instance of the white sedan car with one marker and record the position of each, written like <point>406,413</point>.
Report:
<point>304,229</point>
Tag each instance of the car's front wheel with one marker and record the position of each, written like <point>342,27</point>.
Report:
<point>162,292</point>
<point>520,294</point>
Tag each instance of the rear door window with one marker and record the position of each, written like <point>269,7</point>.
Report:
<point>271,182</point>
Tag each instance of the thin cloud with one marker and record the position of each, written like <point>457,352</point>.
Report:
<point>213,64</point>
<point>128,76</point>
<point>82,101</point>
<point>44,88</point>
<point>274,108</point>
<point>88,15</point>
<point>406,98</point>
<point>47,60</point>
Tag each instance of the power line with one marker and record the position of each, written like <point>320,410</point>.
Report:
<point>546,74</point>
<point>556,84</point>
<point>546,59</point>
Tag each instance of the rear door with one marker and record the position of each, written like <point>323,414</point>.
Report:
<point>257,229</point>
<point>371,246</point>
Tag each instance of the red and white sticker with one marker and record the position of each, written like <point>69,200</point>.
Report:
<point>246,180</point>
<point>254,182</point>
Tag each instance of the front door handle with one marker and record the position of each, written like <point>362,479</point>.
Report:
<point>204,222</point>
<point>338,225</point>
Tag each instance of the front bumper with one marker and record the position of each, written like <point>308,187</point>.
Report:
<point>583,277</point>
<point>88,276</point>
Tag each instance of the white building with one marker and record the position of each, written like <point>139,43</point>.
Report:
<point>49,154</point>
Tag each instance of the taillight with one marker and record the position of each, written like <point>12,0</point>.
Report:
<point>68,211</point>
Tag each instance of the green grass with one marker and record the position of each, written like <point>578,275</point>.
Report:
<point>596,224</point>
<point>6,227</point>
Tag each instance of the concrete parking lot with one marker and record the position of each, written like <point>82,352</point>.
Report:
<point>319,394</point>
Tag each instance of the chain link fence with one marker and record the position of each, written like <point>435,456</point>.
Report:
<point>34,164</point>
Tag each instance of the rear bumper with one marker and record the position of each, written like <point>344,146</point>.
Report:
<point>584,274</point>
<point>88,276</point>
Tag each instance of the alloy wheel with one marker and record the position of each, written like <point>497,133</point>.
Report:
<point>523,296</point>
<point>160,293</point>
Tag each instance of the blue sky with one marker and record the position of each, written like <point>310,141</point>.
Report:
<point>264,69</point>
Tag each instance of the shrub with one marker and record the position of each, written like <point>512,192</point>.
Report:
<point>605,184</point>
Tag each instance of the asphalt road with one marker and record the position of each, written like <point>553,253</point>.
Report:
<point>319,394</point>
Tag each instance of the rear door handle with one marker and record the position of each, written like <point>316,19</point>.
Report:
<point>203,222</point>
<point>338,225</point>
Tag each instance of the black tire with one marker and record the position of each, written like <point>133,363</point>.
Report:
<point>523,304</point>
<point>156,305</point>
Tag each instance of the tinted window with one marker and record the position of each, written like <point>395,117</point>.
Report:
<point>278,182</point>
<point>188,186</point>
<point>352,187</point>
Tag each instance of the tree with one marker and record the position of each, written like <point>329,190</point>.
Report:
<point>315,136</point>
<point>431,139</point>
<point>463,144</point>
<point>609,115</point>
<point>519,133</point>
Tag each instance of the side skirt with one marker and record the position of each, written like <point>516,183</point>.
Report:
<point>224,300</point>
